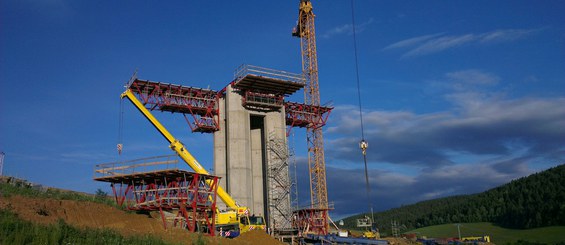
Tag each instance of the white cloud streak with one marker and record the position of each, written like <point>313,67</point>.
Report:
<point>412,41</point>
<point>434,43</point>
<point>440,44</point>
<point>347,29</point>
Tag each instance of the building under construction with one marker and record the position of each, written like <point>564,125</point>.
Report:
<point>250,120</point>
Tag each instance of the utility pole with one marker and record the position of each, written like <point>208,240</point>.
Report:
<point>2,154</point>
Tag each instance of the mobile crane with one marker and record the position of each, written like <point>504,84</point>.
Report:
<point>231,222</point>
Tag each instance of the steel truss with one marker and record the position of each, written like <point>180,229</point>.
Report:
<point>184,199</point>
<point>311,221</point>
<point>200,104</point>
<point>186,194</point>
<point>306,116</point>
<point>306,31</point>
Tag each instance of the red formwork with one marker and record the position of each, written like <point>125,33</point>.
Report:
<point>200,104</point>
<point>311,221</point>
<point>184,199</point>
<point>303,115</point>
<point>262,101</point>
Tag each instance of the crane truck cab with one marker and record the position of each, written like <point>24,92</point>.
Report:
<point>230,224</point>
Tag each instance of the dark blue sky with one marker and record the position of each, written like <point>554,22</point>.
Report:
<point>458,96</point>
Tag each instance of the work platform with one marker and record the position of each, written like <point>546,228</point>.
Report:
<point>249,77</point>
<point>264,89</point>
<point>261,89</point>
<point>184,199</point>
<point>199,104</point>
<point>306,116</point>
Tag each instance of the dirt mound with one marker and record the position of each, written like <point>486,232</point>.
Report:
<point>95,215</point>
<point>257,237</point>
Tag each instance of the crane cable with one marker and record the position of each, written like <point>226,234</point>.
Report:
<point>363,144</point>
<point>119,146</point>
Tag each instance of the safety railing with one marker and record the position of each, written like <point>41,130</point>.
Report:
<point>143,165</point>
<point>244,70</point>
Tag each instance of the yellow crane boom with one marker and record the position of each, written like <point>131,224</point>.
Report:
<point>181,150</point>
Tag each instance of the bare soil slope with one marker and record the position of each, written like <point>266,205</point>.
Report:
<point>94,215</point>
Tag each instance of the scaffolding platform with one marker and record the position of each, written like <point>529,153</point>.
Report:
<point>266,80</point>
<point>306,116</point>
<point>144,177</point>
<point>184,199</point>
<point>201,104</point>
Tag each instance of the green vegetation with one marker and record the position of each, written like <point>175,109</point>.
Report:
<point>13,230</point>
<point>529,202</point>
<point>498,235</point>
<point>7,190</point>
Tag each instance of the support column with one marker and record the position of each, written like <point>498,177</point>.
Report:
<point>239,171</point>
<point>220,147</point>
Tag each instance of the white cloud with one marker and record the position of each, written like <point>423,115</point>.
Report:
<point>347,29</point>
<point>478,124</point>
<point>391,189</point>
<point>439,44</point>
<point>506,35</point>
<point>434,43</point>
<point>412,41</point>
<point>473,77</point>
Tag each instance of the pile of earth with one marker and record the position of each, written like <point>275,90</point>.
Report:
<point>95,215</point>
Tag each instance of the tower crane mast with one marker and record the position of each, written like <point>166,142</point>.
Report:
<point>305,30</point>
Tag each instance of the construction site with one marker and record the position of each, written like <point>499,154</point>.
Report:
<point>242,122</point>
<point>252,187</point>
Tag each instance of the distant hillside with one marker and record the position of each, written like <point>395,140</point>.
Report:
<point>534,201</point>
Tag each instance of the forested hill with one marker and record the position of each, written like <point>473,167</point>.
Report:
<point>534,201</point>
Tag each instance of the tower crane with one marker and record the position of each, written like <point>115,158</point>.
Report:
<point>305,30</point>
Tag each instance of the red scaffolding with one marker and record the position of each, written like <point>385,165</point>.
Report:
<point>184,199</point>
<point>306,116</point>
<point>311,221</point>
<point>264,89</point>
<point>200,104</point>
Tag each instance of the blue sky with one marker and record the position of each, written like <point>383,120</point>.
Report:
<point>458,96</point>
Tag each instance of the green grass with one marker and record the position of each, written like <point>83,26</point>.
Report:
<point>7,190</point>
<point>498,235</point>
<point>14,230</point>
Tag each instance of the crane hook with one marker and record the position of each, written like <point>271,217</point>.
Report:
<point>364,145</point>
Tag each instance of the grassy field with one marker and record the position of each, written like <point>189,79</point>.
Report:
<point>7,190</point>
<point>498,235</point>
<point>14,230</point>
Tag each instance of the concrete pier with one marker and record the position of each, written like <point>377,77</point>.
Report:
<point>251,117</point>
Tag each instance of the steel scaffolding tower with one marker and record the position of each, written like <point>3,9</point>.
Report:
<point>279,183</point>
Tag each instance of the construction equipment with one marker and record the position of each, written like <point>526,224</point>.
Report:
<point>370,230</point>
<point>476,239</point>
<point>230,222</point>
<point>305,30</point>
